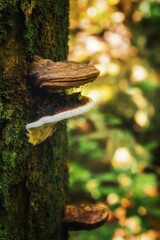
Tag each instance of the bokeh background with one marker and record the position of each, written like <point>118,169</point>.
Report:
<point>114,152</point>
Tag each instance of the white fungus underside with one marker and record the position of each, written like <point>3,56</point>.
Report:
<point>41,129</point>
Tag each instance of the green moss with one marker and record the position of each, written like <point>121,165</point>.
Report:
<point>3,233</point>
<point>13,148</point>
<point>7,4</point>
<point>45,35</point>
<point>9,159</point>
<point>1,110</point>
<point>3,33</point>
<point>46,184</point>
<point>7,8</point>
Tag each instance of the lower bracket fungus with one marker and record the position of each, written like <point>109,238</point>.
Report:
<point>85,216</point>
<point>54,109</point>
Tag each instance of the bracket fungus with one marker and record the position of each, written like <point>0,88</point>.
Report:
<point>60,108</point>
<point>65,74</point>
<point>85,216</point>
<point>52,77</point>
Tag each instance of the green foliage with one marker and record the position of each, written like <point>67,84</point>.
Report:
<point>120,148</point>
<point>145,33</point>
<point>102,233</point>
<point>143,182</point>
<point>91,148</point>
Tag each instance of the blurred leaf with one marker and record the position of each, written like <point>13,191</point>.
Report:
<point>145,85</point>
<point>155,211</point>
<point>107,176</point>
<point>103,233</point>
<point>143,183</point>
<point>78,173</point>
<point>91,148</point>
<point>113,120</point>
<point>151,145</point>
<point>108,189</point>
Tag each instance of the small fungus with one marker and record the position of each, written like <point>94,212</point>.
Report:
<point>52,77</point>
<point>85,216</point>
<point>65,74</point>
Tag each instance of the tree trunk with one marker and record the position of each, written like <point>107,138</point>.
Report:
<point>33,179</point>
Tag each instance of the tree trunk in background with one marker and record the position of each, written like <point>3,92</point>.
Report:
<point>33,179</point>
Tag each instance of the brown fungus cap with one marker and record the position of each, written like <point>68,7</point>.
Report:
<point>64,74</point>
<point>85,216</point>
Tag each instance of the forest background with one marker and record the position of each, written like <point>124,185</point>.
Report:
<point>114,149</point>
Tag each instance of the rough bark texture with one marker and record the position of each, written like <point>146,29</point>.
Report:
<point>33,179</point>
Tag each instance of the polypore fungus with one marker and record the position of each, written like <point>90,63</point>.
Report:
<point>85,216</point>
<point>59,108</point>
<point>65,74</point>
<point>49,75</point>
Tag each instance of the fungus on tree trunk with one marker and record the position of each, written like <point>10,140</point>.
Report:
<point>85,216</point>
<point>55,105</point>
<point>65,74</point>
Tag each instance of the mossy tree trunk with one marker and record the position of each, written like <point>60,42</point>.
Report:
<point>33,179</point>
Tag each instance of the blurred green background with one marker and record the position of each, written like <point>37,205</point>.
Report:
<point>114,149</point>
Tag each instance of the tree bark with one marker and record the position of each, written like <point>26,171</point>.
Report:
<point>33,179</point>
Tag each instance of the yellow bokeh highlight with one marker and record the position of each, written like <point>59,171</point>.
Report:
<point>118,17</point>
<point>141,118</point>
<point>139,73</point>
<point>112,198</point>
<point>124,180</point>
<point>122,158</point>
<point>113,2</point>
<point>133,224</point>
<point>142,211</point>
<point>100,94</point>
<point>113,69</point>
<point>92,12</point>
<point>92,185</point>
